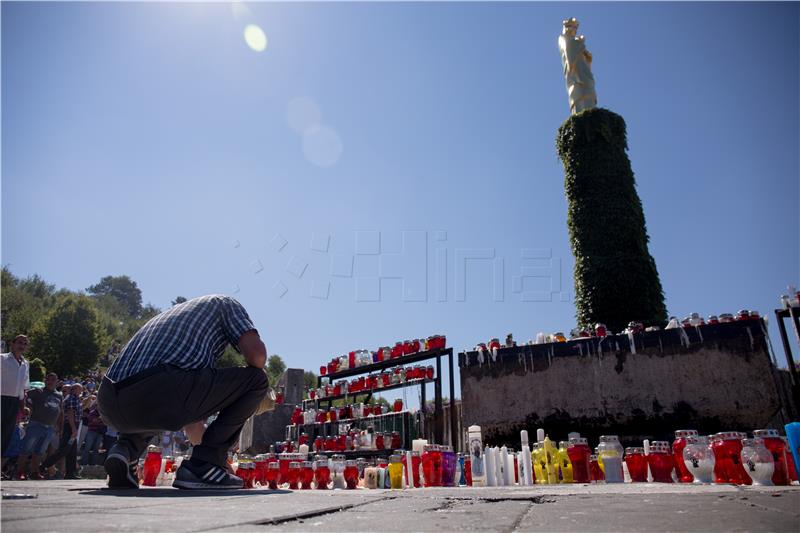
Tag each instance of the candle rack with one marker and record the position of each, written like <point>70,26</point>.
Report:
<point>438,415</point>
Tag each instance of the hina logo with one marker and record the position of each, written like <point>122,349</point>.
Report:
<point>418,263</point>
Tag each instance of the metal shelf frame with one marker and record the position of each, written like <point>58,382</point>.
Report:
<point>438,414</point>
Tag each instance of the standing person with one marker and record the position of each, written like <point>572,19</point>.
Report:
<point>96,429</point>
<point>68,447</point>
<point>46,414</point>
<point>165,379</point>
<point>13,383</point>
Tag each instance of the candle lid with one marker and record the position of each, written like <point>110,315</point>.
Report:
<point>766,433</point>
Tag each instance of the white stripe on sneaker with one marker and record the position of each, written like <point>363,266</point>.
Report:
<point>220,475</point>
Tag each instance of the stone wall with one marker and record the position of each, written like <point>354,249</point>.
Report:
<point>267,428</point>
<point>712,378</point>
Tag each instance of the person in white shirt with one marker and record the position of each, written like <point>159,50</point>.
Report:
<point>13,385</point>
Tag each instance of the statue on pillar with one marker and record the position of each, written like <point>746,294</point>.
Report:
<point>577,62</point>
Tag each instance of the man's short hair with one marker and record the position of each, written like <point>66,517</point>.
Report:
<point>18,337</point>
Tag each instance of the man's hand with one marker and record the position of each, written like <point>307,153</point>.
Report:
<point>253,350</point>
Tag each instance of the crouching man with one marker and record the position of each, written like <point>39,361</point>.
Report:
<point>164,379</point>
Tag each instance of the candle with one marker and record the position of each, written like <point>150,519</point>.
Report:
<point>510,469</point>
<point>504,461</point>
<point>526,466</point>
<point>491,480</point>
<point>409,471</point>
<point>477,471</point>
<point>499,466</point>
<point>417,445</point>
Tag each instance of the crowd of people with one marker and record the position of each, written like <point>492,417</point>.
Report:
<point>52,429</point>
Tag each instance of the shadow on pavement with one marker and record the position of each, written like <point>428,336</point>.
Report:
<point>175,493</point>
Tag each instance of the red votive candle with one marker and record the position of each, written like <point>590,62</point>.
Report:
<point>660,461</point>
<point>579,453</point>
<point>636,461</point>
<point>322,473</point>
<point>273,473</point>
<point>351,474</point>
<point>684,476</point>
<point>306,474</point>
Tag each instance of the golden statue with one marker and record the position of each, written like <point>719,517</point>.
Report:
<point>577,62</point>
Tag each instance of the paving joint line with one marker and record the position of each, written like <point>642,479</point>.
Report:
<point>278,520</point>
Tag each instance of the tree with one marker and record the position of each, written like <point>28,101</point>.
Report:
<point>123,289</point>
<point>23,302</point>
<point>275,367</point>
<point>230,358</point>
<point>616,280</point>
<point>36,369</point>
<point>68,337</point>
<point>179,300</point>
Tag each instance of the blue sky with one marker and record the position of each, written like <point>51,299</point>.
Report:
<point>148,139</point>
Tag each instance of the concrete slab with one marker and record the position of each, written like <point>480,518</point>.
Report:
<point>85,506</point>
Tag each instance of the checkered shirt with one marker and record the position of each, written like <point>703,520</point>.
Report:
<point>190,335</point>
<point>73,402</point>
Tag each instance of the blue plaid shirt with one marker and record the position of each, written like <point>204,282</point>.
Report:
<point>189,335</point>
<point>72,402</point>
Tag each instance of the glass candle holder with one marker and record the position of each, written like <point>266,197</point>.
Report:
<point>757,461</point>
<point>698,457</point>
<point>775,445</point>
<point>306,475</point>
<point>351,474</point>
<point>678,445</point>
<point>579,453</point>
<point>732,447</point>
<point>371,477</point>
<point>395,472</point>
<point>152,466</point>
<point>273,473</point>
<point>660,461</point>
<point>594,468</point>
<point>449,462</point>
<point>322,473</point>
<point>261,469</point>
<point>636,461</point>
<point>294,474</point>
<point>609,457</point>
<point>564,463</point>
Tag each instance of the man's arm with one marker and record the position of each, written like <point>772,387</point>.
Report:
<point>253,349</point>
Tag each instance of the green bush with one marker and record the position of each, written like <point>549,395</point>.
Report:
<point>616,280</point>
<point>36,369</point>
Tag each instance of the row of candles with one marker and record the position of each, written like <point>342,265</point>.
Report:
<point>600,330</point>
<point>437,465</point>
<point>346,412</point>
<point>372,382</point>
<point>727,457</point>
<point>358,358</point>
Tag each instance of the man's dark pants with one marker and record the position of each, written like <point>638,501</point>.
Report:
<point>166,398</point>
<point>67,450</point>
<point>8,419</point>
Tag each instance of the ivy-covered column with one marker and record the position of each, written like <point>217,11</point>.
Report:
<point>616,280</point>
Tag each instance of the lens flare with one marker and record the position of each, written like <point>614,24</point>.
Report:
<point>322,146</point>
<point>255,38</point>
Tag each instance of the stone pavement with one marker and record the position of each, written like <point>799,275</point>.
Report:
<point>85,506</point>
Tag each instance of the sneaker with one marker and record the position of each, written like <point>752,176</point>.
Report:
<point>121,471</point>
<point>207,476</point>
<point>36,476</point>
